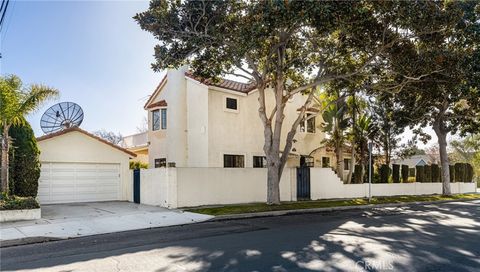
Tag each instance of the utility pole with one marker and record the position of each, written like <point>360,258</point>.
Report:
<point>370,146</point>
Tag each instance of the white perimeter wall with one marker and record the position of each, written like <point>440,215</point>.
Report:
<point>326,185</point>
<point>187,187</point>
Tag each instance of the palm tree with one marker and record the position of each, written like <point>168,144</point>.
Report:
<point>16,101</point>
<point>335,126</point>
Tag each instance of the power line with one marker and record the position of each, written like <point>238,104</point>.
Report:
<point>4,12</point>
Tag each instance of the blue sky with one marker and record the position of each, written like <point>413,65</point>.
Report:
<point>92,51</point>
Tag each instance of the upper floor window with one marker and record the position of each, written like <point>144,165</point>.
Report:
<point>308,123</point>
<point>233,161</point>
<point>156,120</point>
<point>259,161</point>
<point>231,103</point>
<point>159,119</point>
<point>164,118</point>
<point>346,164</point>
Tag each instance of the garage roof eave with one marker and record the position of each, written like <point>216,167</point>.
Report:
<point>77,129</point>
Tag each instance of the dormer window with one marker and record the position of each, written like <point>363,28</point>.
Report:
<point>231,103</point>
<point>159,119</point>
<point>156,120</point>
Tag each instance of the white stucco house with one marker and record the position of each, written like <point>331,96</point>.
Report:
<point>78,166</point>
<point>202,123</point>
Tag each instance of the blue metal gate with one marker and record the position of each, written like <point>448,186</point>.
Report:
<point>136,185</point>
<point>303,183</point>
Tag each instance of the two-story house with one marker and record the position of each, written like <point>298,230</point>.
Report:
<point>195,123</point>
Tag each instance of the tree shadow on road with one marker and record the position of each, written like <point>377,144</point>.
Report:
<point>421,238</point>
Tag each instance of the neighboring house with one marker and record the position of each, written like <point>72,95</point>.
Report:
<point>413,161</point>
<point>202,123</point>
<point>138,144</point>
<point>78,166</point>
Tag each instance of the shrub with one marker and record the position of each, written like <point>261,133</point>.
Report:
<point>452,173</point>
<point>358,174</point>
<point>24,162</point>
<point>411,179</point>
<point>469,172</point>
<point>384,173</point>
<point>435,173</point>
<point>138,165</point>
<point>411,172</point>
<point>427,173</point>
<point>405,173</point>
<point>459,172</point>
<point>419,174</point>
<point>396,173</point>
<point>18,203</point>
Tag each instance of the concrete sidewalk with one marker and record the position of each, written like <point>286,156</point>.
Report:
<point>62,221</point>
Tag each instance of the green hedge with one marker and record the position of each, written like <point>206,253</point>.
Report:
<point>18,203</point>
<point>427,173</point>
<point>384,173</point>
<point>358,174</point>
<point>405,173</point>
<point>396,173</point>
<point>419,173</point>
<point>24,162</point>
<point>452,173</point>
<point>435,173</point>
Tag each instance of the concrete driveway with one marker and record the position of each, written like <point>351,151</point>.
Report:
<point>61,221</point>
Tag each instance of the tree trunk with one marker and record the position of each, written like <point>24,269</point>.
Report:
<point>352,166</point>
<point>444,162</point>
<point>5,150</point>
<point>273,183</point>
<point>340,163</point>
<point>354,122</point>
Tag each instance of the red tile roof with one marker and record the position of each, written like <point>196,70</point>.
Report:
<point>161,103</point>
<point>68,130</point>
<point>225,84</point>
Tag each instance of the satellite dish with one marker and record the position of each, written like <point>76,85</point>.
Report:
<point>61,116</point>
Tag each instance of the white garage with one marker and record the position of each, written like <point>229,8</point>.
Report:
<point>80,167</point>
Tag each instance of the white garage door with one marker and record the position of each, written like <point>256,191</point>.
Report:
<point>78,182</point>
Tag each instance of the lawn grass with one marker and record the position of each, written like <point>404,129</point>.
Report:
<point>262,207</point>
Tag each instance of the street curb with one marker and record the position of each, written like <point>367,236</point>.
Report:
<point>329,209</point>
<point>28,240</point>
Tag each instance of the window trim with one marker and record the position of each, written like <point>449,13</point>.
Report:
<point>224,101</point>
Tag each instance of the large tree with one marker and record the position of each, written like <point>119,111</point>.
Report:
<point>285,48</point>
<point>16,101</point>
<point>447,99</point>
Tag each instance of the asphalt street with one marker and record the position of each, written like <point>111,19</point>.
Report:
<point>441,237</point>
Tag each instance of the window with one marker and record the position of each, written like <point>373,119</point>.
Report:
<point>233,161</point>
<point>325,162</point>
<point>164,118</point>
<point>155,120</point>
<point>306,161</point>
<point>308,123</point>
<point>346,164</point>
<point>162,162</point>
<point>259,161</point>
<point>231,103</point>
